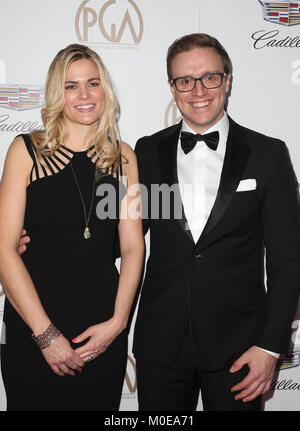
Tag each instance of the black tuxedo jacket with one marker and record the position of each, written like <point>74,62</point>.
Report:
<point>216,286</point>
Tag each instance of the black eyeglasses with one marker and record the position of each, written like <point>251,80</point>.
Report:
<point>209,80</point>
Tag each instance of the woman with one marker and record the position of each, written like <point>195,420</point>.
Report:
<point>66,290</point>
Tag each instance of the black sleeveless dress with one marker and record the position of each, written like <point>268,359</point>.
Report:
<point>77,281</point>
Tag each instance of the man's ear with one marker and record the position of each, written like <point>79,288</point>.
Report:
<point>227,83</point>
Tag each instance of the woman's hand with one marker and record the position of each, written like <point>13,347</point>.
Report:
<point>62,358</point>
<point>100,337</point>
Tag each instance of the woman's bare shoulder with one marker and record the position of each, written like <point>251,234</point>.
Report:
<point>17,156</point>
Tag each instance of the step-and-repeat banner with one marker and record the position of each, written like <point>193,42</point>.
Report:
<point>132,37</point>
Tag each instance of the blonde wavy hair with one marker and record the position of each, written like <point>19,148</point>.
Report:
<point>106,139</point>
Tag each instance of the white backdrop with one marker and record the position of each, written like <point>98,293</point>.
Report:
<point>132,37</point>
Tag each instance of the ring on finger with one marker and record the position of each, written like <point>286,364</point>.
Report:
<point>90,357</point>
<point>262,385</point>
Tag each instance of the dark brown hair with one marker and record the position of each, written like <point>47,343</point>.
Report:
<point>197,40</point>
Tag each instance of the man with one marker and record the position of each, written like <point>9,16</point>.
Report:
<point>205,320</point>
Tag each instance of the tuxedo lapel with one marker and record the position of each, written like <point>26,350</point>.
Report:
<point>168,165</point>
<point>167,149</point>
<point>236,156</point>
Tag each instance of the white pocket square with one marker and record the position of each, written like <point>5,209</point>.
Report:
<point>246,185</point>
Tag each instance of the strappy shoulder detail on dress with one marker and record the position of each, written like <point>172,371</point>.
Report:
<point>52,164</point>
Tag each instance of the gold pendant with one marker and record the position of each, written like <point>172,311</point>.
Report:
<point>87,233</point>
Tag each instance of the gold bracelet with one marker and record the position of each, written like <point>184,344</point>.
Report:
<point>47,337</point>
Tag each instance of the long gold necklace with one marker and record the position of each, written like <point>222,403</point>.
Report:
<point>86,233</point>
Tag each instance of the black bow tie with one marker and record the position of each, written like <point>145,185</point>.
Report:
<point>189,140</point>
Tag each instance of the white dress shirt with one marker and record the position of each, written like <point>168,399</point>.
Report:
<point>199,174</point>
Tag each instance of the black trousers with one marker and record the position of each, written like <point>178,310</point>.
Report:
<point>176,387</point>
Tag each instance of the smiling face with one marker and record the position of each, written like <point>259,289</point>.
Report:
<point>84,94</point>
<point>201,108</point>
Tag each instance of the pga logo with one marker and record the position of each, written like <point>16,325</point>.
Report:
<point>112,21</point>
<point>172,114</point>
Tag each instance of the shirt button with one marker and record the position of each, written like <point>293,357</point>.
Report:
<point>197,256</point>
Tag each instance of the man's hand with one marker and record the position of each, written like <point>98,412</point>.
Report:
<point>24,239</point>
<point>258,380</point>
